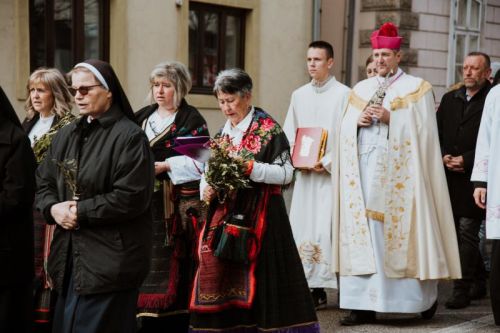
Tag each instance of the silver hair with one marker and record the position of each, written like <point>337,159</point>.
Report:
<point>175,72</point>
<point>233,81</point>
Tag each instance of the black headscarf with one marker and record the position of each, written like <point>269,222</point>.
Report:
<point>114,85</point>
<point>6,109</point>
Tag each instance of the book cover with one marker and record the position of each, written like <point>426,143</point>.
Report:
<point>196,147</point>
<point>310,144</point>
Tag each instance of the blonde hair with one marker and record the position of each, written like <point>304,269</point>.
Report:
<point>175,72</point>
<point>54,80</point>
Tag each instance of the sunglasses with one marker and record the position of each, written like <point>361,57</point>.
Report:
<point>83,90</point>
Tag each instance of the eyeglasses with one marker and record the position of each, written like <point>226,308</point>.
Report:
<point>83,90</point>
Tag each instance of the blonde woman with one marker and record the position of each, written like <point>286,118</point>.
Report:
<point>48,102</point>
<point>48,108</point>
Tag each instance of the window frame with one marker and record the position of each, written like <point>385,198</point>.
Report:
<point>223,12</point>
<point>467,31</point>
<point>78,32</point>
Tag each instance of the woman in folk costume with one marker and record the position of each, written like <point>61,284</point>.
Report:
<point>48,108</point>
<point>393,224</point>
<point>163,298</point>
<point>17,191</point>
<point>250,277</point>
<point>486,178</point>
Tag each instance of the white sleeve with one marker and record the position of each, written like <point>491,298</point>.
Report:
<point>273,173</point>
<point>203,185</point>
<point>481,159</point>
<point>184,169</point>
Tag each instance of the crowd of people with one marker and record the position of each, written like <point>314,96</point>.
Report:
<point>107,226</point>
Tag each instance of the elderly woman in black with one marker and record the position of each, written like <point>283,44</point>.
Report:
<point>17,191</point>
<point>48,108</point>
<point>96,184</point>
<point>267,289</point>
<point>163,298</point>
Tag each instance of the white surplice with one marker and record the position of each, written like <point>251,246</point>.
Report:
<point>393,230</point>
<point>487,161</point>
<point>310,213</point>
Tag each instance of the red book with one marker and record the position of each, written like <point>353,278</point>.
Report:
<point>310,144</point>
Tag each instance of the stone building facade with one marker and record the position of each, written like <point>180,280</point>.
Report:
<point>437,35</point>
<point>140,34</point>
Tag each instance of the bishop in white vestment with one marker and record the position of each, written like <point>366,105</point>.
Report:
<point>393,230</point>
<point>316,104</point>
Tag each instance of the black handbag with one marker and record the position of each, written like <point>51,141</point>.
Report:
<point>234,239</point>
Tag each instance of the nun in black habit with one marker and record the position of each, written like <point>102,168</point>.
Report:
<point>17,191</point>
<point>96,185</point>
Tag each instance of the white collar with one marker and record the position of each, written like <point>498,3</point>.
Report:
<point>391,78</point>
<point>323,86</point>
<point>46,119</point>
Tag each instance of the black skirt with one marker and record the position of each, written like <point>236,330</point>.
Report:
<point>164,295</point>
<point>283,301</point>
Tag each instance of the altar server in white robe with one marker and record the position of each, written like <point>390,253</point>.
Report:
<point>486,178</point>
<point>393,231</point>
<point>316,104</point>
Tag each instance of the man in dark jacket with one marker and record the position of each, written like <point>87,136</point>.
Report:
<point>459,117</point>
<point>17,191</point>
<point>96,183</point>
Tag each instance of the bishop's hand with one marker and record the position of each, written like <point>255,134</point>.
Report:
<point>380,113</point>
<point>365,119</point>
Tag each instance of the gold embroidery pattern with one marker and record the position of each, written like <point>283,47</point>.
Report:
<point>311,253</point>
<point>402,102</point>
<point>357,101</point>
<point>374,215</point>
<point>399,195</point>
<point>355,233</point>
<point>233,292</point>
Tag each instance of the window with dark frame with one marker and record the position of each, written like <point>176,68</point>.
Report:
<point>216,42</point>
<point>468,18</point>
<point>65,32</point>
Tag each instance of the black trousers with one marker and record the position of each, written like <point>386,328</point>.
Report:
<point>112,312</point>
<point>471,261</point>
<point>495,281</point>
<point>16,308</point>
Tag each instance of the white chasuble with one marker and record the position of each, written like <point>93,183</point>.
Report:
<point>487,161</point>
<point>393,226</point>
<point>311,210</point>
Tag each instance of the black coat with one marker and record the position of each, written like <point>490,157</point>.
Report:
<point>17,191</point>
<point>112,248</point>
<point>458,126</point>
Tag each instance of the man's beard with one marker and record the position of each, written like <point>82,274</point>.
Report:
<point>475,85</point>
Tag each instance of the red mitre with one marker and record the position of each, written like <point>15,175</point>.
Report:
<point>386,37</point>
